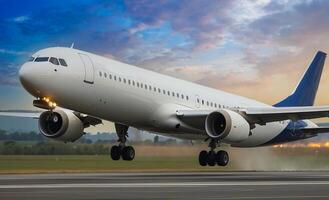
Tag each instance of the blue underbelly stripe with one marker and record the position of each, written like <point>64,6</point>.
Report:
<point>289,134</point>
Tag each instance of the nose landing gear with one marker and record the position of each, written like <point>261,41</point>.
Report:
<point>121,150</point>
<point>211,158</point>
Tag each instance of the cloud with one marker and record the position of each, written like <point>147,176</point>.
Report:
<point>9,74</point>
<point>203,21</point>
<point>13,52</point>
<point>231,45</point>
<point>21,19</point>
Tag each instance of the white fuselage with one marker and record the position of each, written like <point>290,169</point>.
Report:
<point>133,96</point>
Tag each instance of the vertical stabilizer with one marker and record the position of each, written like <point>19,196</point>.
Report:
<point>305,92</point>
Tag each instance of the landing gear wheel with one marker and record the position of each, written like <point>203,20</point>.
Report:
<point>222,158</point>
<point>128,153</point>
<point>211,158</point>
<point>203,158</point>
<point>115,152</point>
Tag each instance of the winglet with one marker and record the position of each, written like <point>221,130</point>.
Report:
<point>305,92</point>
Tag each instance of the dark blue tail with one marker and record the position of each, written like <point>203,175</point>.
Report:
<point>305,91</point>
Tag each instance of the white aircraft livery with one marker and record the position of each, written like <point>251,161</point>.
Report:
<point>78,89</point>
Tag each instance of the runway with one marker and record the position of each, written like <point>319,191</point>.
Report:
<point>224,185</point>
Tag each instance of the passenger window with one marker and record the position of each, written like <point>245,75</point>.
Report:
<point>62,62</point>
<point>150,87</point>
<point>133,83</point>
<point>202,102</point>
<point>159,90</point>
<point>124,80</point>
<point>182,96</point>
<point>173,94</point>
<point>129,82</point>
<point>154,89</point>
<point>186,97</point>
<point>168,93</point>
<point>100,73</point>
<point>105,75</point>
<point>41,59</point>
<point>119,79</point>
<point>110,76</point>
<point>177,95</point>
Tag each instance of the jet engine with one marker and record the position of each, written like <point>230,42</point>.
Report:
<point>227,125</point>
<point>62,125</point>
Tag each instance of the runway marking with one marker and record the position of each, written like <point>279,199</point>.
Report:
<point>276,197</point>
<point>181,184</point>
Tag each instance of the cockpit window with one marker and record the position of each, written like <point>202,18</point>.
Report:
<point>54,61</point>
<point>31,59</point>
<point>62,61</point>
<point>41,59</point>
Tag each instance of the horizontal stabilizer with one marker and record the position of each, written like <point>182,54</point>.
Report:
<point>315,130</point>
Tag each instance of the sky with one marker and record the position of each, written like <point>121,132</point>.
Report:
<point>258,49</point>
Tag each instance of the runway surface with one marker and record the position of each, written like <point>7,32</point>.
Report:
<point>224,185</point>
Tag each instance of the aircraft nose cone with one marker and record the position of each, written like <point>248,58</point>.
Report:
<point>23,74</point>
<point>26,77</point>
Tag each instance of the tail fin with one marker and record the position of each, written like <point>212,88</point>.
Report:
<point>305,92</point>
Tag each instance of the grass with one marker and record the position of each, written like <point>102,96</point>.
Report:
<point>169,159</point>
<point>49,164</point>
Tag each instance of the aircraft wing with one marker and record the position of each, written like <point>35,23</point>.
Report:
<point>259,115</point>
<point>272,114</point>
<point>86,119</point>
<point>24,114</point>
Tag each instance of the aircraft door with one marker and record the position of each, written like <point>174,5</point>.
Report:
<point>89,68</point>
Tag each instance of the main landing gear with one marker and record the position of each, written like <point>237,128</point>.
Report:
<point>212,157</point>
<point>121,150</point>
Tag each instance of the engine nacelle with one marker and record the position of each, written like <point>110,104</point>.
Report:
<point>227,125</point>
<point>61,125</point>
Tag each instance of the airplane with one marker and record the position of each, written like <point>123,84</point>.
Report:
<point>78,89</point>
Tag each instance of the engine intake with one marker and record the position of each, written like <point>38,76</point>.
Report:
<point>61,125</point>
<point>227,125</point>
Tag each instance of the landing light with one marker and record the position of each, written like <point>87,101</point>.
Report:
<point>51,104</point>
<point>45,103</point>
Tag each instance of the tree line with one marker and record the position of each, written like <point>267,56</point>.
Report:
<point>32,143</point>
<point>21,136</point>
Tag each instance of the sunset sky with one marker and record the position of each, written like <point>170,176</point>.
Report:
<point>257,49</point>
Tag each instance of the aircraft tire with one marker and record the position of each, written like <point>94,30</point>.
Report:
<point>203,158</point>
<point>211,158</point>
<point>128,153</point>
<point>222,158</point>
<point>115,152</point>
